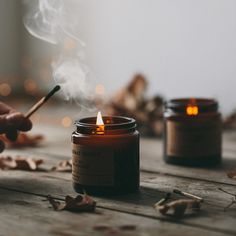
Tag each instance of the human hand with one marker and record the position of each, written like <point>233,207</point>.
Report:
<point>11,122</point>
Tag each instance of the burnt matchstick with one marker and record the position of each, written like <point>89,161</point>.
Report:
<point>43,100</point>
<point>164,199</point>
<point>188,195</point>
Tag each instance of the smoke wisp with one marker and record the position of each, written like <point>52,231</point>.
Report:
<point>57,22</point>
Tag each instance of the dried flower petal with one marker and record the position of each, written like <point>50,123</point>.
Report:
<point>232,174</point>
<point>63,166</point>
<point>7,163</point>
<point>81,203</point>
<point>19,163</point>
<point>58,206</point>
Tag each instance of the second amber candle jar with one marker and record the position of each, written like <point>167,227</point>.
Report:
<point>106,158</point>
<point>192,132</point>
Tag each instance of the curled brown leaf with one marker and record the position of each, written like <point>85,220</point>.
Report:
<point>81,203</point>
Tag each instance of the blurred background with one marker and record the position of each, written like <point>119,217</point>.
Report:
<point>182,48</point>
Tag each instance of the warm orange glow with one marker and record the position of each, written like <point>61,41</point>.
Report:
<point>100,124</point>
<point>69,44</point>
<point>66,121</point>
<point>5,89</point>
<point>192,110</point>
<point>30,86</point>
<point>100,89</point>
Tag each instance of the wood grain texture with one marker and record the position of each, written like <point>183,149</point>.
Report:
<point>23,192</point>
<point>24,214</point>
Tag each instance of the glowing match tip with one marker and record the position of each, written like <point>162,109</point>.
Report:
<point>99,119</point>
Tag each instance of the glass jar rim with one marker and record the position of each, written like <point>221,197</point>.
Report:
<point>112,124</point>
<point>203,104</point>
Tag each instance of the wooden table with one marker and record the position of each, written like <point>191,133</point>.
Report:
<point>24,210</point>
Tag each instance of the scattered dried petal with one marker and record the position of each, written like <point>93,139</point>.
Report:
<point>63,166</point>
<point>19,163</point>
<point>179,207</point>
<point>81,203</point>
<point>7,163</point>
<point>232,174</point>
<point>57,206</point>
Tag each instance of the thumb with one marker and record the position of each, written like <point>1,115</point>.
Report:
<point>2,146</point>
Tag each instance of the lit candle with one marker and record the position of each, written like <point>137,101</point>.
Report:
<point>192,134</point>
<point>100,124</point>
<point>105,155</point>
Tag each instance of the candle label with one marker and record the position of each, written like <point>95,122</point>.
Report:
<point>193,139</point>
<point>92,165</point>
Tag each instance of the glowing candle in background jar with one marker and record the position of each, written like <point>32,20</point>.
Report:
<point>105,155</point>
<point>192,132</point>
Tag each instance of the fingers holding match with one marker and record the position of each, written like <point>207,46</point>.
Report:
<point>12,123</point>
<point>18,121</point>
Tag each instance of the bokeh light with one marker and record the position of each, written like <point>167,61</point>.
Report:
<point>30,86</point>
<point>5,89</point>
<point>66,121</point>
<point>99,89</point>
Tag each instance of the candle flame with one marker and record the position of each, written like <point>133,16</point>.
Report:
<point>100,123</point>
<point>99,119</point>
<point>192,110</point>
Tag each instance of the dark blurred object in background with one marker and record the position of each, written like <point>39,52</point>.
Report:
<point>230,121</point>
<point>132,102</point>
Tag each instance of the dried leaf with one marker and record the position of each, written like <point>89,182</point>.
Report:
<point>19,163</point>
<point>81,203</point>
<point>7,162</point>
<point>179,207</point>
<point>23,140</point>
<point>63,166</point>
<point>132,101</point>
<point>232,174</point>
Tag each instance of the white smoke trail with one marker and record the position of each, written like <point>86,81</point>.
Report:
<point>56,22</point>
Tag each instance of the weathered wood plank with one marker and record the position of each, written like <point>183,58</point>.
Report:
<point>203,182</point>
<point>29,215</point>
<point>153,188</point>
<point>153,161</point>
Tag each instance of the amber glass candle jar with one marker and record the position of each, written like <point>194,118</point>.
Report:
<point>106,158</point>
<point>192,132</point>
